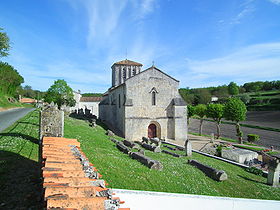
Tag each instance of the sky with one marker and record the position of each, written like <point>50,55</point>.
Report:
<point>200,43</point>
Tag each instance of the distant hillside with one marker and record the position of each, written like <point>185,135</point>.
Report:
<point>256,95</point>
<point>92,94</point>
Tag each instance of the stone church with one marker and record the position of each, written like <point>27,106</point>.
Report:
<point>143,103</point>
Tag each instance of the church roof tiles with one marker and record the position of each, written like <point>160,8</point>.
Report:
<point>128,62</point>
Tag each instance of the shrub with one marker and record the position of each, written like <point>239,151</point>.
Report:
<point>219,150</point>
<point>255,170</point>
<point>253,137</point>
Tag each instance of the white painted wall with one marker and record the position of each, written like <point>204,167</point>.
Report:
<point>146,200</point>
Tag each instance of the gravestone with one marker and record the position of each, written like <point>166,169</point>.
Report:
<point>273,173</point>
<point>218,175</point>
<point>239,155</point>
<point>212,138</point>
<point>52,122</point>
<point>188,148</point>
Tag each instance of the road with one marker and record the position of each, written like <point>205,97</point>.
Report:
<point>8,117</point>
<point>267,138</point>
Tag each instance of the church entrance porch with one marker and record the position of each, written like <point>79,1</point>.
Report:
<point>154,130</point>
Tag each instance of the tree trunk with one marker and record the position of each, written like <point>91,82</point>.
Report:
<point>200,127</point>
<point>188,120</point>
<point>239,133</point>
<point>218,130</point>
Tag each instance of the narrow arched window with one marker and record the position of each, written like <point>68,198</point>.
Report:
<point>124,73</point>
<point>153,98</point>
<point>134,71</point>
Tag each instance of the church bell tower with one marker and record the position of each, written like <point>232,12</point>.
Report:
<point>123,70</point>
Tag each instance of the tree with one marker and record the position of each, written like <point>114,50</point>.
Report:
<point>4,44</point>
<point>235,110</point>
<point>190,112</point>
<point>245,98</point>
<point>60,93</point>
<point>10,79</point>
<point>202,96</point>
<point>216,112</point>
<point>233,89</point>
<point>200,110</point>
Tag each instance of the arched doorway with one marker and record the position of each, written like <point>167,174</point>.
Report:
<point>152,131</point>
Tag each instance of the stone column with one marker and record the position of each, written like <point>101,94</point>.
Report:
<point>273,173</point>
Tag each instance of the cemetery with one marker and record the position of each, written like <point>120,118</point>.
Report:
<point>120,159</point>
<point>149,164</point>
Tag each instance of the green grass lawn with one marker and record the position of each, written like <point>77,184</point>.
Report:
<point>120,171</point>
<point>19,169</point>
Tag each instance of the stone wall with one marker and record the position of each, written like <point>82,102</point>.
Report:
<point>51,122</point>
<point>111,110</point>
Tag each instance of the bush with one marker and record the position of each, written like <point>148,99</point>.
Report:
<point>253,137</point>
<point>254,170</point>
<point>219,150</point>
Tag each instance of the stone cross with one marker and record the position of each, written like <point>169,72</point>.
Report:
<point>273,173</point>
<point>188,148</point>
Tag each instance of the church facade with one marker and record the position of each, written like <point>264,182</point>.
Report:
<point>143,103</point>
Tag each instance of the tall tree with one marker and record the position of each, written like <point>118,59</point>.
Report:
<point>200,110</point>
<point>4,44</point>
<point>10,79</point>
<point>233,89</point>
<point>216,112</point>
<point>190,112</point>
<point>60,93</point>
<point>235,110</point>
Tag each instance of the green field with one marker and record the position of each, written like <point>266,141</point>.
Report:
<point>19,168</point>
<point>264,101</point>
<point>20,183</point>
<point>120,171</point>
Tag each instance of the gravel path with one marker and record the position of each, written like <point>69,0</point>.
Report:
<point>267,138</point>
<point>8,117</point>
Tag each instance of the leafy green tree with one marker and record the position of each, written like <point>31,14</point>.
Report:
<point>10,79</point>
<point>235,110</point>
<point>60,93</point>
<point>245,98</point>
<point>233,88</point>
<point>200,110</point>
<point>216,112</point>
<point>202,96</point>
<point>4,44</point>
<point>253,86</point>
<point>190,112</point>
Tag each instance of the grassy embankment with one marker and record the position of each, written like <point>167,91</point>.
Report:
<point>264,101</point>
<point>19,168</point>
<point>120,171</point>
<point>6,104</point>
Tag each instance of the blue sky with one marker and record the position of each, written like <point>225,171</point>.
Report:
<point>201,43</point>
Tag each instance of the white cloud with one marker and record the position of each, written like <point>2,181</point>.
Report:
<point>256,62</point>
<point>277,2</point>
<point>247,9</point>
<point>147,6</point>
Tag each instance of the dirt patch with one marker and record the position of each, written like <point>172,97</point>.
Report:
<point>263,118</point>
